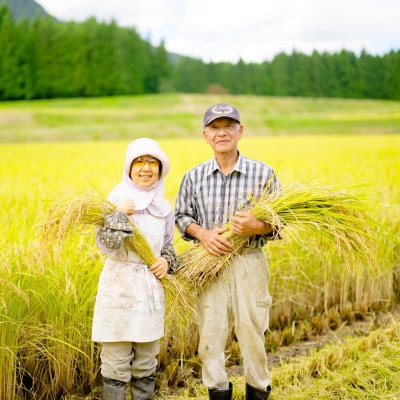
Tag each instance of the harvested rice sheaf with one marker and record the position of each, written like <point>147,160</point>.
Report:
<point>87,210</point>
<point>336,217</point>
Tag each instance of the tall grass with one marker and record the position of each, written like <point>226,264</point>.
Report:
<point>47,299</point>
<point>47,302</point>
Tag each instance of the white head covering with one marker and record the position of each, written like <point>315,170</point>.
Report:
<point>151,198</point>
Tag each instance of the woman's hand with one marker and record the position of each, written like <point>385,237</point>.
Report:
<point>160,268</point>
<point>127,206</point>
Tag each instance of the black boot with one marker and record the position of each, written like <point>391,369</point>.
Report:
<point>220,394</point>
<point>143,388</point>
<point>253,393</point>
<point>113,389</point>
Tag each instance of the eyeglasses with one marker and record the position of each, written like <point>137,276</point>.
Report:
<point>141,162</point>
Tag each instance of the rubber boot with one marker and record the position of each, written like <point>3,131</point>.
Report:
<point>143,388</point>
<point>220,394</point>
<point>113,389</point>
<point>253,393</point>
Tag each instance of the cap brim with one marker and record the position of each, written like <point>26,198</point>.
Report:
<point>208,122</point>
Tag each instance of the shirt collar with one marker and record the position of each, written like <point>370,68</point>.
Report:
<point>240,165</point>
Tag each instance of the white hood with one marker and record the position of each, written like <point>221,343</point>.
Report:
<point>151,198</point>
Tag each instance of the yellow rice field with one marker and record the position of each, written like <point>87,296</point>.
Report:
<point>46,299</point>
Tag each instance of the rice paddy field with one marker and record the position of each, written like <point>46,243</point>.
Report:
<point>53,149</point>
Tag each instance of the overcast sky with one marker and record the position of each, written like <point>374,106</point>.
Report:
<point>253,30</point>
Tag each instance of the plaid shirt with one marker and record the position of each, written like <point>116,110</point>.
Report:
<point>209,198</point>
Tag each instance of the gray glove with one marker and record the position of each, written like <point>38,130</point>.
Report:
<point>116,229</point>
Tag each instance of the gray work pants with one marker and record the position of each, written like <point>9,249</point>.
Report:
<point>123,360</point>
<point>242,293</point>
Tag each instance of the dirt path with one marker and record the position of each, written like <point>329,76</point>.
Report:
<point>357,329</point>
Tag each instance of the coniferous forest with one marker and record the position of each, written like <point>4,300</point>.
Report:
<point>45,58</point>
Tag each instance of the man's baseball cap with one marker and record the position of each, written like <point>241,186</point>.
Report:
<point>220,110</point>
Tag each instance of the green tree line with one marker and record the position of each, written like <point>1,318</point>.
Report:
<point>45,58</point>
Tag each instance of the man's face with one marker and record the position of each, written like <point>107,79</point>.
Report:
<point>223,134</point>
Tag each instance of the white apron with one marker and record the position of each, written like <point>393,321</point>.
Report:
<point>130,302</point>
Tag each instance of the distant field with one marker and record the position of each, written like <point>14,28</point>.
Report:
<point>47,298</point>
<point>178,115</point>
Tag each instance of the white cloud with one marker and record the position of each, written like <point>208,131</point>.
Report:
<point>254,30</point>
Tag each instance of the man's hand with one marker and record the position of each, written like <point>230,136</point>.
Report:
<point>160,268</point>
<point>211,239</point>
<point>246,224</point>
<point>214,243</point>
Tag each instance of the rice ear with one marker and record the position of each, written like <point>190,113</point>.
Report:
<point>338,218</point>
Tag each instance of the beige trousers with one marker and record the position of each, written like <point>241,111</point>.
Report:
<point>122,360</point>
<point>240,298</point>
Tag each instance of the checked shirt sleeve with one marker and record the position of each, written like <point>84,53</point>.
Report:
<point>168,252</point>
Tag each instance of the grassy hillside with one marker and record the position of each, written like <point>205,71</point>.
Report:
<point>180,116</point>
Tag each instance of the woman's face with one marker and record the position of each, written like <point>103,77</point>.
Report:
<point>145,170</point>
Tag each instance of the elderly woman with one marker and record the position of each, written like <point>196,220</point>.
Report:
<point>130,305</point>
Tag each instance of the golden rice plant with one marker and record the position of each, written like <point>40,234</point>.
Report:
<point>363,367</point>
<point>337,217</point>
<point>87,210</point>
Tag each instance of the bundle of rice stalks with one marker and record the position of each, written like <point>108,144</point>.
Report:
<point>87,210</point>
<point>336,217</point>
<point>70,213</point>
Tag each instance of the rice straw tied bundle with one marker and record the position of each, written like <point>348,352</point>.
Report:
<point>69,213</point>
<point>88,210</point>
<point>335,216</point>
